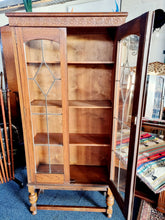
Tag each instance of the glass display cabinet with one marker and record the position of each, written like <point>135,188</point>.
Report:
<point>79,98</point>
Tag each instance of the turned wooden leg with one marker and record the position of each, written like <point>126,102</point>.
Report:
<point>33,199</point>
<point>110,202</point>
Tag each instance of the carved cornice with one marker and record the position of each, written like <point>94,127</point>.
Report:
<point>68,21</point>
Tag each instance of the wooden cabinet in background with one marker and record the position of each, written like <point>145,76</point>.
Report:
<point>75,86</point>
<point>10,76</point>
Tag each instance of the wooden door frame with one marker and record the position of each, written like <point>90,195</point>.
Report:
<point>140,26</point>
<point>21,35</point>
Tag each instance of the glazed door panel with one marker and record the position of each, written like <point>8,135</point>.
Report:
<point>132,42</point>
<point>43,82</point>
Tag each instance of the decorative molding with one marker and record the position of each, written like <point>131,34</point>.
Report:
<point>66,21</point>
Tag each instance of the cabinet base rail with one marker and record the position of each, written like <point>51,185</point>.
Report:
<point>33,197</point>
<point>72,208</point>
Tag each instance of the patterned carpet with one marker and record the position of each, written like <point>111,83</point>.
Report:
<point>146,212</point>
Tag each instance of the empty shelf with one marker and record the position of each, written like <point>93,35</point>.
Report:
<point>75,103</point>
<point>74,139</point>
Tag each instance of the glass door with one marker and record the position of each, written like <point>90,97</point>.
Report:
<point>45,101</point>
<point>132,41</point>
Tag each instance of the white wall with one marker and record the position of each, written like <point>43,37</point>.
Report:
<point>3,20</point>
<point>138,7</point>
<point>77,5</point>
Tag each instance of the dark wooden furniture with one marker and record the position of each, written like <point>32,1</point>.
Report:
<point>11,84</point>
<point>74,85</point>
<point>9,64</point>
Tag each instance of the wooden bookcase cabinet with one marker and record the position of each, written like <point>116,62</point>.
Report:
<point>68,72</point>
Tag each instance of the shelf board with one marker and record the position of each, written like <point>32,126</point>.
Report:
<point>55,103</point>
<point>88,174</point>
<point>71,62</point>
<point>90,104</point>
<point>54,139</point>
<point>90,62</point>
<point>40,61</point>
<point>74,139</point>
<point>55,168</point>
<point>79,174</point>
<point>75,103</point>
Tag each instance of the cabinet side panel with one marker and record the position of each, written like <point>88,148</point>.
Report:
<point>23,97</point>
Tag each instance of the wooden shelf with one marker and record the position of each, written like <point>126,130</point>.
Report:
<point>79,174</point>
<point>55,103</point>
<point>54,139</point>
<point>90,62</point>
<point>88,174</point>
<point>75,103</point>
<point>90,104</point>
<point>44,168</point>
<point>71,62</point>
<point>74,139</point>
<point>39,62</point>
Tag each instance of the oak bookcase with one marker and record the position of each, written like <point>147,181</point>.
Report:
<point>77,97</point>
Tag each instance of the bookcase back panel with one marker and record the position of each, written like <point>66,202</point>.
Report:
<point>89,47</point>
<point>89,155</point>
<point>40,109</point>
<point>89,174</point>
<point>47,85</point>
<point>45,154</point>
<point>90,82</point>
<point>42,58</point>
<point>36,50</point>
<point>54,68</point>
<point>44,124</point>
<point>93,121</point>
